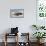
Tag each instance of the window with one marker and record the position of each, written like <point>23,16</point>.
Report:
<point>41,8</point>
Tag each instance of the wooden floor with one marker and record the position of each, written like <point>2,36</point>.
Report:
<point>13,44</point>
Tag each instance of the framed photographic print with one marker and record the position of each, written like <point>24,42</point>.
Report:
<point>17,13</point>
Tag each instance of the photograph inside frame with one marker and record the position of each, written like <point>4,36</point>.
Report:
<point>17,13</point>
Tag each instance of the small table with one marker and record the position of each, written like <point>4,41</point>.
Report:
<point>9,34</point>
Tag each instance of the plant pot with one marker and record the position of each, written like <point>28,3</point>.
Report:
<point>40,41</point>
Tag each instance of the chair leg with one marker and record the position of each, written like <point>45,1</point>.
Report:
<point>5,40</point>
<point>5,43</point>
<point>17,41</point>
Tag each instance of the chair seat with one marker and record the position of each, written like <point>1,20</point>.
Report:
<point>9,34</point>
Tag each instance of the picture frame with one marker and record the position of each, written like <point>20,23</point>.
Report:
<point>17,13</point>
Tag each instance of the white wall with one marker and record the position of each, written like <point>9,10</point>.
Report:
<point>24,24</point>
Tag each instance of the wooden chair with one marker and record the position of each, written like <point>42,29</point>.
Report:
<point>27,37</point>
<point>8,34</point>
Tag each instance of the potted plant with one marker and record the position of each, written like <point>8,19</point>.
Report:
<point>39,35</point>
